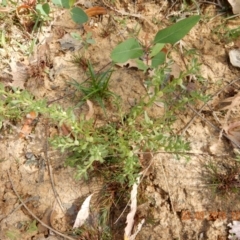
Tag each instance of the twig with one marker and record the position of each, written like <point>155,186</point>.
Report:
<point>33,215</point>
<point>50,169</point>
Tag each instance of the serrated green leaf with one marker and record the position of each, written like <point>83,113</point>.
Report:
<point>156,49</point>
<point>44,9</point>
<point>78,15</point>
<point>62,3</point>
<point>158,59</point>
<point>177,31</point>
<point>126,50</point>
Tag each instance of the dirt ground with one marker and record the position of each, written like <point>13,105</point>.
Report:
<point>179,201</point>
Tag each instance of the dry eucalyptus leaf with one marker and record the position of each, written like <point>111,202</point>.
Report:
<point>83,213</point>
<point>131,214</point>
<point>235,6</point>
<point>96,11</point>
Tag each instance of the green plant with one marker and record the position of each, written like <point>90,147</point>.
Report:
<point>32,226</point>
<point>77,14</point>
<point>112,150</point>
<point>114,145</point>
<point>133,49</point>
<point>96,87</point>
<point>39,14</point>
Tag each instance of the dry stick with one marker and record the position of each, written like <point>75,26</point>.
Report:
<point>33,215</point>
<point>169,194</point>
<point>50,169</point>
<point>197,113</point>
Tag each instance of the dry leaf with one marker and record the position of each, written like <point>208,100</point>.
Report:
<point>19,73</point>
<point>234,102</point>
<point>232,130</point>
<point>233,106</point>
<point>95,11</point>
<point>28,124</point>
<point>83,213</point>
<point>235,6</point>
<point>131,214</point>
<point>90,111</point>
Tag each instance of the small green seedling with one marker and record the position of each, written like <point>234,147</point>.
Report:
<point>132,49</point>
<point>96,88</point>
